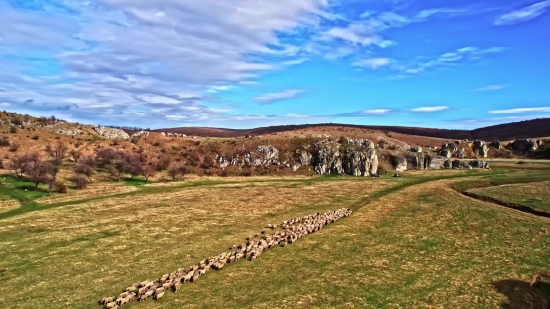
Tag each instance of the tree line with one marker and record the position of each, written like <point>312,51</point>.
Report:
<point>116,163</point>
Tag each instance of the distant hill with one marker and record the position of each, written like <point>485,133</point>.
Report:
<point>508,131</point>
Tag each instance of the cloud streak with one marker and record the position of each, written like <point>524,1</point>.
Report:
<point>490,88</point>
<point>430,109</point>
<point>271,98</point>
<point>522,110</point>
<point>523,15</point>
<point>373,63</point>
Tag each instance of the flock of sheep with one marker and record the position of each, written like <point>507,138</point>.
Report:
<point>291,231</point>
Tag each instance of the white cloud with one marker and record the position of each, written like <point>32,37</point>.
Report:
<point>523,14</point>
<point>373,63</point>
<point>215,89</point>
<point>522,110</point>
<point>356,34</point>
<point>123,61</point>
<point>430,109</point>
<point>490,88</point>
<point>379,111</point>
<point>278,96</point>
<point>427,13</point>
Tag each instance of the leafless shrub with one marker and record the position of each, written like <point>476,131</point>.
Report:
<point>79,181</point>
<point>57,152</point>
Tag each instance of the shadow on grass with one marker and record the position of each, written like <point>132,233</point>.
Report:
<point>520,295</point>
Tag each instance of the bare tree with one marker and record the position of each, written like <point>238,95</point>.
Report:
<point>147,171</point>
<point>18,163</point>
<point>163,162</point>
<point>57,152</point>
<point>85,169</point>
<point>175,171</point>
<point>106,157</point>
<point>134,166</point>
<point>89,160</point>
<point>75,154</point>
<point>38,171</point>
<point>118,165</point>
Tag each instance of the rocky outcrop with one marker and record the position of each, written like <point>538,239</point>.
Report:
<point>303,156</point>
<point>69,132</point>
<point>437,162</point>
<point>481,149</point>
<point>170,134</point>
<point>140,134</point>
<point>496,144</point>
<point>525,145</point>
<point>399,163</point>
<point>416,149</point>
<point>414,162</point>
<point>111,133</point>
<point>263,155</point>
<point>355,157</point>
<point>445,153</point>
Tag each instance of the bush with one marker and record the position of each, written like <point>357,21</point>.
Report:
<point>13,129</point>
<point>35,137</point>
<point>246,173</point>
<point>14,147</point>
<point>79,181</point>
<point>61,187</point>
<point>16,121</point>
<point>223,173</point>
<point>156,143</point>
<point>4,142</point>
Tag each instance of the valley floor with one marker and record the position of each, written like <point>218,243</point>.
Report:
<point>412,242</point>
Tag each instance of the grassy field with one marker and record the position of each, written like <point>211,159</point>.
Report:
<point>413,242</point>
<point>536,195</point>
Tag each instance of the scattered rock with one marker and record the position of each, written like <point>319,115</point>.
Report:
<point>416,149</point>
<point>479,164</point>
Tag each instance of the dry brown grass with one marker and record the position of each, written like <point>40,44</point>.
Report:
<point>97,248</point>
<point>422,246</point>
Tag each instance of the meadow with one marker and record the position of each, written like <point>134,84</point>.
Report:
<point>412,242</point>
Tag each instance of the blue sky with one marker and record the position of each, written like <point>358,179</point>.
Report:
<point>247,63</point>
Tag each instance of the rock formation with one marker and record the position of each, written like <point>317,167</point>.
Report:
<point>525,145</point>
<point>140,134</point>
<point>356,157</point>
<point>416,149</point>
<point>457,164</point>
<point>497,145</point>
<point>437,162</point>
<point>481,149</point>
<point>111,133</point>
